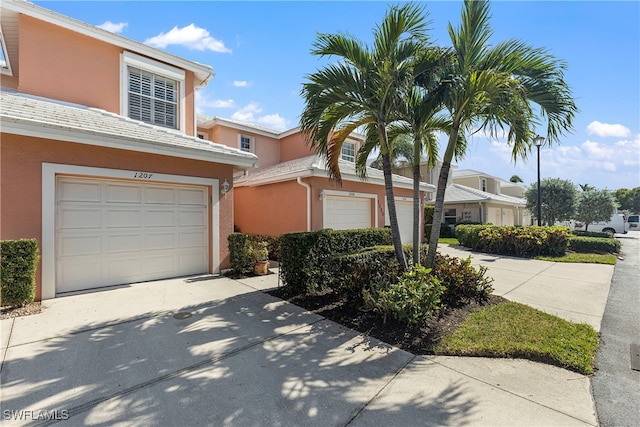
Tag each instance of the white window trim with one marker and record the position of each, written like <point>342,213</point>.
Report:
<point>131,59</point>
<point>6,70</point>
<point>325,193</point>
<point>49,173</point>
<point>252,143</point>
<point>355,146</point>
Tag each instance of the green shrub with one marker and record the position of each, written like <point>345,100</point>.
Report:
<point>414,298</point>
<point>462,281</point>
<point>306,257</point>
<point>595,245</point>
<point>241,262</point>
<point>18,263</point>
<point>446,231</point>
<point>528,241</point>
<point>352,273</point>
<point>273,244</point>
<point>602,234</point>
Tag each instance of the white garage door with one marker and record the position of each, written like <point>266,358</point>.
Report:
<point>404,212</point>
<point>507,217</point>
<point>346,213</point>
<point>116,232</point>
<point>494,216</point>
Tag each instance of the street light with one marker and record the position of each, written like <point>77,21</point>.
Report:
<point>538,140</point>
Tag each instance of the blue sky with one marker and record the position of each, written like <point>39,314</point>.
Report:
<point>259,52</point>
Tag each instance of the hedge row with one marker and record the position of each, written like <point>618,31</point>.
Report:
<point>373,268</point>
<point>600,234</point>
<point>18,263</point>
<point>304,257</point>
<point>529,241</point>
<point>596,245</point>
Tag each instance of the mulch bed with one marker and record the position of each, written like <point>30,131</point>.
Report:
<point>416,339</point>
<point>8,312</point>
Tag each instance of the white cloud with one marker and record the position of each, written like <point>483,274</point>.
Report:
<point>251,114</point>
<point>203,101</point>
<point>112,26</point>
<point>273,121</point>
<point>247,113</point>
<point>191,37</point>
<point>241,83</point>
<point>606,130</point>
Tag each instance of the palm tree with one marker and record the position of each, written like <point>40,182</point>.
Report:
<point>515,179</point>
<point>493,87</point>
<point>364,89</point>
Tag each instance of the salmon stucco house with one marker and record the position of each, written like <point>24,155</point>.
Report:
<point>100,158</point>
<point>105,162</point>
<point>291,190</point>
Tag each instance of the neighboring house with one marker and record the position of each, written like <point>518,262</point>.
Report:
<point>100,158</point>
<point>292,191</point>
<point>479,197</point>
<point>474,196</point>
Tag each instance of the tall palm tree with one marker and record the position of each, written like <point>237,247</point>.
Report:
<point>493,87</point>
<point>364,89</point>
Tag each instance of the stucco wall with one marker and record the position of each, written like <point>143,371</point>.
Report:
<point>271,209</point>
<point>79,69</point>
<point>21,181</point>
<point>294,147</point>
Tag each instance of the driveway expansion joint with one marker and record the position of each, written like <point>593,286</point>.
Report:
<point>527,281</point>
<point>4,353</point>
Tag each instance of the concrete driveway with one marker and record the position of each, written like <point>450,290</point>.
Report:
<point>216,351</point>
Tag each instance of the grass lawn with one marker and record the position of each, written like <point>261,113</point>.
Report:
<point>519,331</point>
<point>448,240</point>
<point>580,257</point>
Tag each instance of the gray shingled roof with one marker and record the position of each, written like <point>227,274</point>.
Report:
<point>19,112</point>
<point>457,193</point>
<point>315,166</point>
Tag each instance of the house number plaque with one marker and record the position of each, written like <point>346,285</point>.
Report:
<point>142,175</point>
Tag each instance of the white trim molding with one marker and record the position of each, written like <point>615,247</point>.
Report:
<point>51,170</point>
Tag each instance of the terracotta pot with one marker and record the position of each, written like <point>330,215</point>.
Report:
<point>261,268</point>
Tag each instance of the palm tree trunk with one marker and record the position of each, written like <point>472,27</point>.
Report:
<point>391,210</point>
<point>416,202</point>
<point>440,191</point>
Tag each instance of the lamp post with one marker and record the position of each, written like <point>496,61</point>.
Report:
<point>538,140</point>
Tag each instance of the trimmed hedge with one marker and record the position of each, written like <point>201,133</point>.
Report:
<point>305,257</point>
<point>239,253</point>
<point>528,241</point>
<point>600,234</point>
<point>596,245</point>
<point>18,263</point>
<point>356,274</point>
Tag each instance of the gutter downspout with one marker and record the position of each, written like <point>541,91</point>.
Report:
<point>308,187</point>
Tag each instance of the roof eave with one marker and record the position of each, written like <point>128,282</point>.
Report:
<point>24,127</point>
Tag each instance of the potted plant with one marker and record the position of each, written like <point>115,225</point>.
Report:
<point>259,255</point>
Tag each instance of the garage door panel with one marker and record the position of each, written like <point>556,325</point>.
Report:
<point>123,243</point>
<point>131,233</point>
<point>77,191</point>
<point>123,194</point>
<point>74,218</point>
<point>160,241</point>
<point>189,219</point>
<point>160,218</point>
<point>159,195</point>
<point>192,197</point>
<point>80,245</point>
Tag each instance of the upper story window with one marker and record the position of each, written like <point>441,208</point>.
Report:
<point>348,151</point>
<point>483,184</point>
<point>152,92</point>
<point>152,98</point>
<point>245,143</point>
<point>5,67</point>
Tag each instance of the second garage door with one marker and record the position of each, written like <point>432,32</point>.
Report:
<point>345,213</point>
<point>115,232</point>
<point>404,213</point>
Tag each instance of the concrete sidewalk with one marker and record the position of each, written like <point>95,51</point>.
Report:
<point>245,358</point>
<point>575,292</point>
